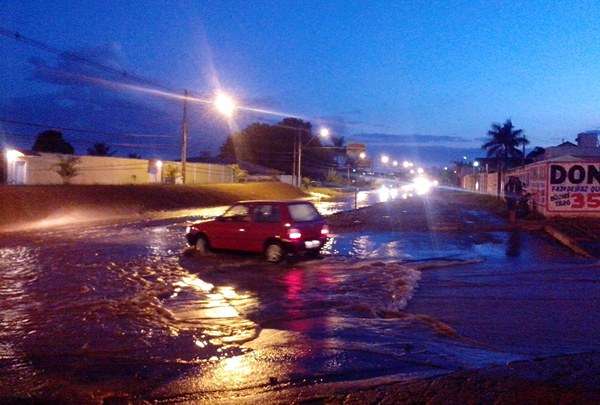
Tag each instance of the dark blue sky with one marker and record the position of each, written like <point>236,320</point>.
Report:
<point>422,77</point>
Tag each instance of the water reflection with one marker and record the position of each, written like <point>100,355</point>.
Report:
<point>513,245</point>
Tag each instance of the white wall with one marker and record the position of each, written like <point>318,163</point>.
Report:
<point>115,170</point>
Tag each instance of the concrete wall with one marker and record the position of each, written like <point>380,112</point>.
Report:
<point>114,170</point>
<point>567,188</point>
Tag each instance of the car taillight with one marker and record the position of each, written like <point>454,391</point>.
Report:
<point>294,233</point>
<point>325,230</point>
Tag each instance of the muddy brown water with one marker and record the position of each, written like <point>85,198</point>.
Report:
<point>122,309</point>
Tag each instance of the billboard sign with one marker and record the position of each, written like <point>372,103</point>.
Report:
<point>573,187</point>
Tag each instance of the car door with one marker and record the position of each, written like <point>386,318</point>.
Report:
<point>233,225</point>
<point>266,223</point>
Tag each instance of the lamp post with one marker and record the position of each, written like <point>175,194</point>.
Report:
<point>323,133</point>
<point>184,137</point>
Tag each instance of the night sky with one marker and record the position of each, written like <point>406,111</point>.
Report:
<point>418,79</point>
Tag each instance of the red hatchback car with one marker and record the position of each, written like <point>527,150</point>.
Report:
<point>274,228</point>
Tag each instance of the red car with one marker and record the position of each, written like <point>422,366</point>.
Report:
<point>274,228</point>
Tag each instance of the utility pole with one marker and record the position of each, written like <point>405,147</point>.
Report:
<point>184,137</point>
<point>294,170</point>
<point>299,157</point>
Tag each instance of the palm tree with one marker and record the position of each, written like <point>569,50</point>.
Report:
<point>503,145</point>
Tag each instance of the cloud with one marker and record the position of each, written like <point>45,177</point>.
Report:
<point>71,94</point>
<point>408,139</point>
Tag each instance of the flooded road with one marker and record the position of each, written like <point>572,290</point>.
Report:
<point>122,310</point>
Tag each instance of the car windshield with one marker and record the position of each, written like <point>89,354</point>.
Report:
<point>303,212</point>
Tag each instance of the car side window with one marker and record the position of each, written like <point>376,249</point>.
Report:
<point>237,213</point>
<point>267,213</point>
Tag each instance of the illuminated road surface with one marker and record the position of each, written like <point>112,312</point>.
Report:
<point>120,310</point>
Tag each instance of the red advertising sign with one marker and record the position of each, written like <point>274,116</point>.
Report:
<point>573,187</point>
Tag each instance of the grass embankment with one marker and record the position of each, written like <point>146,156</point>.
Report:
<point>20,204</point>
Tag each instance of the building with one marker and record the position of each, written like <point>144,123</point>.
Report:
<point>356,154</point>
<point>586,146</point>
<point>564,181</point>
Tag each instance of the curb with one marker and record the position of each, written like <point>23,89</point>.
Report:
<point>566,240</point>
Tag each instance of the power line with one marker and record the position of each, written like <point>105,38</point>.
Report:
<point>73,56</point>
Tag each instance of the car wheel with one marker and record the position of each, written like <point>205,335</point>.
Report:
<point>314,253</point>
<point>202,246</point>
<point>274,252</point>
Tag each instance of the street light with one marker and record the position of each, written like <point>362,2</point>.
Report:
<point>420,170</point>
<point>395,163</point>
<point>13,155</point>
<point>385,159</point>
<point>406,164</point>
<point>225,104</point>
<point>476,164</point>
<point>362,155</point>
<point>324,132</point>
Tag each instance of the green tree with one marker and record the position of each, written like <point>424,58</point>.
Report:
<point>504,144</point>
<point>67,168</point>
<point>171,173</point>
<point>273,146</point>
<point>100,149</point>
<point>52,142</point>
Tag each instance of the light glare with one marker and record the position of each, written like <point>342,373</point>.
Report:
<point>225,104</point>
<point>13,155</point>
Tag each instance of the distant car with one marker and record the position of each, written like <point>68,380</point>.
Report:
<point>274,228</point>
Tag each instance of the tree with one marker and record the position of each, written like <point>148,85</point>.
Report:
<point>67,168</point>
<point>100,149</point>
<point>503,145</point>
<point>52,141</point>
<point>338,141</point>
<point>171,173</point>
<point>536,153</point>
<point>273,146</point>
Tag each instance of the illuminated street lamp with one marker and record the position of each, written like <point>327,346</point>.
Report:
<point>406,164</point>
<point>476,164</point>
<point>324,132</point>
<point>224,104</point>
<point>362,155</point>
<point>395,163</point>
<point>159,164</point>
<point>385,159</point>
<point>420,170</point>
<point>13,155</point>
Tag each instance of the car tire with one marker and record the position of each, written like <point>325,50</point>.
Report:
<point>274,252</point>
<point>314,253</point>
<point>202,247</point>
